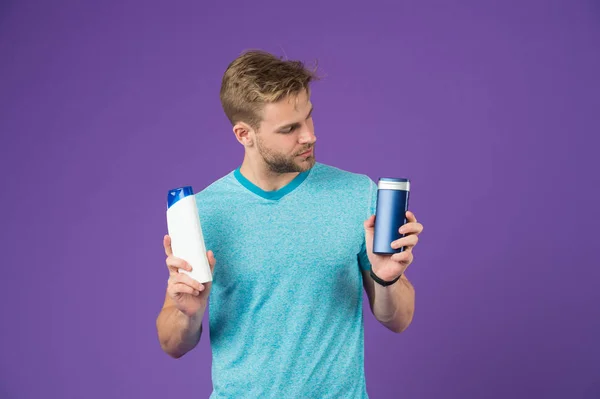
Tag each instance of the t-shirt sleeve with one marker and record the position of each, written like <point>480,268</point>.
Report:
<point>369,205</point>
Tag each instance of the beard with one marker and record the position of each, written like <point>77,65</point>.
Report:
<point>280,163</point>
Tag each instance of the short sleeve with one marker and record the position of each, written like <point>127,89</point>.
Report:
<point>370,206</point>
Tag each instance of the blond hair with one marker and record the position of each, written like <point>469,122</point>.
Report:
<point>257,77</point>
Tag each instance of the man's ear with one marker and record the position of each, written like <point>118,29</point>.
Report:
<point>244,134</point>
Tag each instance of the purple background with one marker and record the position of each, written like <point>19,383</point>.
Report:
<point>492,109</point>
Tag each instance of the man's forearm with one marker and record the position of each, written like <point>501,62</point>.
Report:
<point>178,333</point>
<point>394,305</point>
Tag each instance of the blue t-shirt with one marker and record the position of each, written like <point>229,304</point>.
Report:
<point>285,309</point>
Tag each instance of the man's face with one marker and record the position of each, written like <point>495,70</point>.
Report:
<point>285,133</point>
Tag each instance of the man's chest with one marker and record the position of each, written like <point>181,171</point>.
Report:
<point>314,245</point>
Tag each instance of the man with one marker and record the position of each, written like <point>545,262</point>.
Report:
<point>294,242</point>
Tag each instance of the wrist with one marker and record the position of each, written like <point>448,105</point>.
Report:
<point>384,279</point>
<point>199,314</point>
<point>190,316</point>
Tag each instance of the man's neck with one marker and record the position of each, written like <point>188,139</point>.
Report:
<point>267,180</point>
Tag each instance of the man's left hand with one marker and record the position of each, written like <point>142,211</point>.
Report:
<point>389,267</point>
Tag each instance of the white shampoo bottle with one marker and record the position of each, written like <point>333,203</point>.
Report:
<point>185,230</point>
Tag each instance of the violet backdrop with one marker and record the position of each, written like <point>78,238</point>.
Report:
<point>491,108</point>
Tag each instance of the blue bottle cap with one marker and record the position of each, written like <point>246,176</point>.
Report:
<point>177,194</point>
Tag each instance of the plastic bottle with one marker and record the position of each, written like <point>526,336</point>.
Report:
<point>187,240</point>
<point>390,215</point>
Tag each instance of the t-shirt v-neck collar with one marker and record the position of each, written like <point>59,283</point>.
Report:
<point>271,195</point>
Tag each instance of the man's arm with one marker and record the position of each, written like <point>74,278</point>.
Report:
<point>177,332</point>
<point>394,305</point>
<point>179,323</point>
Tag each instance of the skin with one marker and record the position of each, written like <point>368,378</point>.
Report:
<point>273,157</point>
<point>393,305</point>
<point>273,153</point>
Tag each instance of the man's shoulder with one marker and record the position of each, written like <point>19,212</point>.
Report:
<point>333,175</point>
<point>217,191</point>
<point>222,183</point>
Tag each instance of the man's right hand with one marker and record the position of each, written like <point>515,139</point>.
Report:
<point>188,295</point>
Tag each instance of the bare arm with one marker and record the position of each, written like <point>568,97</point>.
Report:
<point>179,323</point>
<point>177,332</point>
<point>394,305</point>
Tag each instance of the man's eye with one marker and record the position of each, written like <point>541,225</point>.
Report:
<point>288,130</point>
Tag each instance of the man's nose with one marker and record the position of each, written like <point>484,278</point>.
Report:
<point>308,136</point>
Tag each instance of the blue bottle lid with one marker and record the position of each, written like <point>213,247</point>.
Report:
<point>177,194</point>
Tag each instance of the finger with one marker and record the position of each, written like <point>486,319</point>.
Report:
<point>405,257</point>
<point>181,288</point>
<point>408,241</point>
<point>167,245</point>
<point>411,228</point>
<point>182,278</point>
<point>175,263</point>
<point>410,217</point>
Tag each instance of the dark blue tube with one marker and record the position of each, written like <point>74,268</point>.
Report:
<point>390,215</point>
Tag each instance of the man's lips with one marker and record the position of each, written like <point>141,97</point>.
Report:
<point>306,153</point>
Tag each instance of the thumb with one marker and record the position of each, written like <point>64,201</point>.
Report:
<point>211,260</point>
<point>369,224</point>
